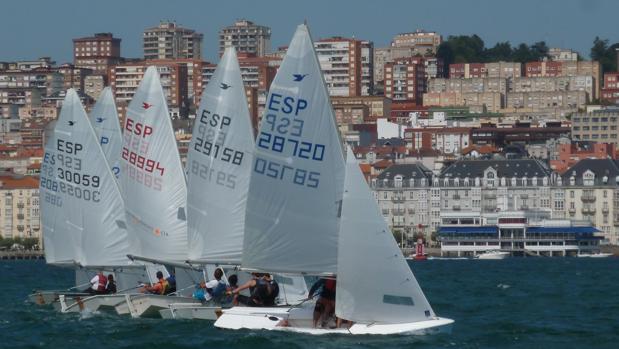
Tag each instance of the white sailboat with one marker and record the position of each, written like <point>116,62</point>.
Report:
<point>376,289</point>
<point>82,209</point>
<point>105,121</point>
<point>154,189</point>
<point>295,194</point>
<point>219,163</point>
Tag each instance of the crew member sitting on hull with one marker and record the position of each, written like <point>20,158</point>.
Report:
<point>325,305</point>
<point>212,290</point>
<point>262,289</point>
<point>160,287</point>
<point>110,288</point>
<point>171,281</point>
<point>98,284</point>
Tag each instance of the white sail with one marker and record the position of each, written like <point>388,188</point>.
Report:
<point>374,282</point>
<point>218,167</point>
<point>297,179</point>
<point>153,181</point>
<point>104,119</point>
<point>82,209</point>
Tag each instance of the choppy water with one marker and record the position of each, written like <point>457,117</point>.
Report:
<point>514,303</point>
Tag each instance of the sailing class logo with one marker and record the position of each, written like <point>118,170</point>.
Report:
<point>146,105</point>
<point>299,77</point>
<point>224,86</point>
<point>71,122</point>
<point>157,232</point>
<point>100,120</point>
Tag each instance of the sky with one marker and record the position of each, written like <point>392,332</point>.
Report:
<point>34,28</point>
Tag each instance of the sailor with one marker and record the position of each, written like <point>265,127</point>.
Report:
<point>160,287</point>
<point>110,288</point>
<point>98,283</point>
<point>325,305</point>
<point>213,289</point>
<point>263,291</point>
<point>172,281</point>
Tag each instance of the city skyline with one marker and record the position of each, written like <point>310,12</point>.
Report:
<point>555,22</point>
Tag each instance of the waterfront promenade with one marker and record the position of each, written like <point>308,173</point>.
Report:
<point>4,255</point>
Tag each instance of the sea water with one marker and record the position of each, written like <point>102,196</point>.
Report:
<point>512,303</point>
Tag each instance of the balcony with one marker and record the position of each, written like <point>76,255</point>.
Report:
<point>605,210</point>
<point>489,208</point>
<point>411,211</point>
<point>397,212</point>
<point>524,196</point>
<point>587,198</point>
<point>588,210</point>
<point>572,211</point>
<point>456,197</point>
<point>397,199</point>
<point>489,195</point>
<point>524,207</point>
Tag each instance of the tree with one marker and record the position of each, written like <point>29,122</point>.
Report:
<point>522,54</point>
<point>539,50</point>
<point>502,51</point>
<point>606,55</point>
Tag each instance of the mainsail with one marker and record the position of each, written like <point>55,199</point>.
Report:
<point>295,192</point>
<point>153,181</point>
<point>374,282</point>
<point>104,119</point>
<point>81,206</point>
<point>218,167</point>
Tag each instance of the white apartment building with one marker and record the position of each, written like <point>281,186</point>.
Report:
<point>246,37</point>
<point>19,207</point>
<point>169,41</point>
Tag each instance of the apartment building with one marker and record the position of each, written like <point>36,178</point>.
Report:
<point>590,191</point>
<point>413,200</point>
<point>246,37</point>
<point>610,90</point>
<point>405,80</point>
<point>341,63</point>
<point>169,41</point>
<point>505,70</point>
<point>19,207</point>
<point>74,77</point>
<point>597,126</point>
<point>125,79</point>
<point>567,68</point>
<point>97,52</point>
<point>421,41</point>
<point>357,110</point>
<point>447,140</point>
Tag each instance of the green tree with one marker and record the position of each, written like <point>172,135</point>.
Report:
<point>522,54</point>
<point>605,54</point>
<point>502,51</point>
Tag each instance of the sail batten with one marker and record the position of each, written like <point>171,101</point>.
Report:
<point>218,167</point>
<point>80,199</point>
<point>295,193</point>
<point>374,283</point>
<point>152,180</point>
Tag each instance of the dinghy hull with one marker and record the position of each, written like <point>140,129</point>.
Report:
<point>300,320</point>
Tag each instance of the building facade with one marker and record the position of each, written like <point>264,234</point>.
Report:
<point>96,52</point>
<point>597,126</point>
<point>19,207</point>
<point>246,37</point>
<point>169,41</point>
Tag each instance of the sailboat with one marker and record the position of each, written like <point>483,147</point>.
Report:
<point>219,163</point>
<point>295,195</point>
<point>81,206</point>
<point>105,122</point>
<point>376,289</point>
<point>154,190</point>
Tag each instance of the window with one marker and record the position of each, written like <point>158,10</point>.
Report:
<point>571,194</point>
